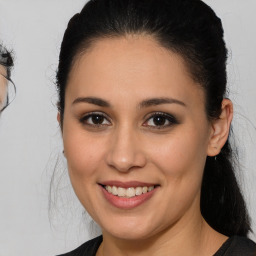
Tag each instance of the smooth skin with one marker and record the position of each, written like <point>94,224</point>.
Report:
<point>124,135</point>
<point>3,87</point>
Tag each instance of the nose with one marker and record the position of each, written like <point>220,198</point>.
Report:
<point>126,151</point>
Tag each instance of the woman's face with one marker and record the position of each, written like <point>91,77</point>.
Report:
<point>135,125</point>
<point>3,87</point>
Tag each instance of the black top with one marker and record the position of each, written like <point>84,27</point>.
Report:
<point>234,246</point>
<point>237,246</point>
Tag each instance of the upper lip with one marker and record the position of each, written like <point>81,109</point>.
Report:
<point>127,184</point>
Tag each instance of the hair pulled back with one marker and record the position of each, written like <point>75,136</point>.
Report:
<point>6,61</point>
<point>191,29</point>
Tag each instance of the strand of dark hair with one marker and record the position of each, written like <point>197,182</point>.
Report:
<point>191,29</point>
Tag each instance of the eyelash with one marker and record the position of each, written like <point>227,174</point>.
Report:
<point>166,118</point>
<point>84,119</point>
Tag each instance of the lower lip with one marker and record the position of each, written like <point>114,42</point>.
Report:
<point>127,203</point>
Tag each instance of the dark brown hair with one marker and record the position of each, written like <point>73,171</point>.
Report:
<point>191,29</point>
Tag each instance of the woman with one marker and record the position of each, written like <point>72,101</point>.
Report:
<point>145,123</point>
<point>6,63</point>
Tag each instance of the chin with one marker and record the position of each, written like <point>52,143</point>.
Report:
<point>130,231</point>
<point>130,235</point>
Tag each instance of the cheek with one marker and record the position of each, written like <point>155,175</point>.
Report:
<point>180,161</point>
<point>83,154</point>
<point>181,154</point>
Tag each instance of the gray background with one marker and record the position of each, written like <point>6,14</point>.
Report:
<point>30,142</point>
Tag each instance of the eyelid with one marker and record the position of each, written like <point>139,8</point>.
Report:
<point>92,113</point>
<point>173,120</point>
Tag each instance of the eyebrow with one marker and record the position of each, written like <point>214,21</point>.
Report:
<point>92,100</point>
<point>159,101</point>
<point>145,103</point>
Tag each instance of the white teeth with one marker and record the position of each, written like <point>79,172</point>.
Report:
<point>129,192</point>
<point>150,188</point>
<point>114,191</point>
<point>144,190</point>
<point>138,191</point>
<point>121,192</point>
<point>109,189</point>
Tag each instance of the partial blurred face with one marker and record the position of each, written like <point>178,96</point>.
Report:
<point>135,136</point>
<point>3,87</point>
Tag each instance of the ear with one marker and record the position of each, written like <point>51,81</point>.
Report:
<point>220,128</point>
<point>59,121</point>
<point>58,117</point>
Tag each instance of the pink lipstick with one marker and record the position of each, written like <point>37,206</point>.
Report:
<point>127,195</point>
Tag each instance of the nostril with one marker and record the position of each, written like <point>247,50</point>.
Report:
<point>126,163</point>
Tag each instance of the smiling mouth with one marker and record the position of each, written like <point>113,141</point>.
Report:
<point>128,192</point>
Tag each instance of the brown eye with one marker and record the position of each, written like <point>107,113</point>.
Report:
<point>95,119</point>
<point>160,120</point>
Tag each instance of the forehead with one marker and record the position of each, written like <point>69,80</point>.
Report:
<point>135,63</point>
<point>137,51</point>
